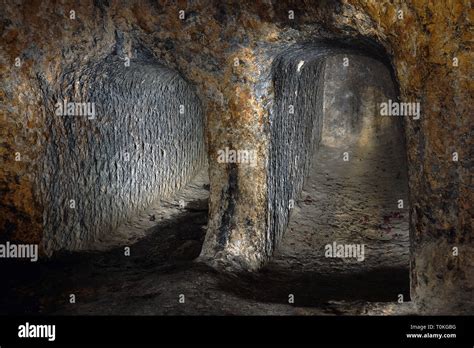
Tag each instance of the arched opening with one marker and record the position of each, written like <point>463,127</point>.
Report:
<point>339,207</point>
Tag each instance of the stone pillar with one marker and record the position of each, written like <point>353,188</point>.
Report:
<point>236,236</point>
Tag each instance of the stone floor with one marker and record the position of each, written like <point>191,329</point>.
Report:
<point>347,202</point>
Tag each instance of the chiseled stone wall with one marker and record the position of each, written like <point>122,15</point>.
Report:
<point>296,124</point>
<point>141,140</point>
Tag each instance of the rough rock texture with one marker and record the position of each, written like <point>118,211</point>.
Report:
<point>349,87</point>
<point>424,45</point>
<point>296,124</point>
<point>144,141</point>
<point>227,49</point>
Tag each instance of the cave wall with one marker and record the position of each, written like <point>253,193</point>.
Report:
<point>432,59</point>
<point>295,131</point>
<point>226,49</point>
<point>348,78</point>
<point>141,140</point>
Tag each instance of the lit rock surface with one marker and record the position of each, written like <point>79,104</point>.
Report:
<point>143,141</point>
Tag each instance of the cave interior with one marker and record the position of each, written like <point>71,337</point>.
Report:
<point>225,158</point>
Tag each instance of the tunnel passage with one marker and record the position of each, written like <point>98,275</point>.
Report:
<point>142,142</point>
<point>344,167</point>
<point>322,91</point>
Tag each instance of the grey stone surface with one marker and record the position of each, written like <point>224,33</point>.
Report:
<point>138,148</point>
<point>348,78</point>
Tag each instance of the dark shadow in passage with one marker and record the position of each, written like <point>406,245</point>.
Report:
<point>45,286</point>
<point>314,289</point>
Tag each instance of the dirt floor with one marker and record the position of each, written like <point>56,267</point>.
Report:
<point>347,202</point>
